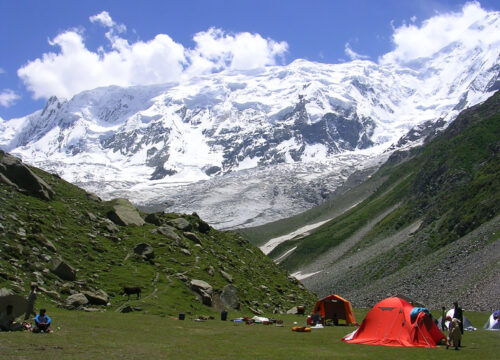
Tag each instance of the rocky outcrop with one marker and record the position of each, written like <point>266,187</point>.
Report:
<point>203,289</point>
<point>145,251</point>
<point>63,270</point>
<point>76,301</point>
<point>169,232</point>
<point>98,297</point>
<point>229,297</point>
<point>181,224</point>
<point>124,213</point>
<point>15,173</point>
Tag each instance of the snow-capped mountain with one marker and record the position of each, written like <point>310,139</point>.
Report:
<point>256,139</point>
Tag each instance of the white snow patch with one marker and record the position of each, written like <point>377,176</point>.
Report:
<point>299,276</point>
<point>271,244</point>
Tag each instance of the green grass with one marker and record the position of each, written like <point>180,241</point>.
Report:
<point>112,335</point>
<point>104,258</point>
<point>452,185</point>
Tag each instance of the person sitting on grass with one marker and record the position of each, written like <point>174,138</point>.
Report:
<point>42,322</point>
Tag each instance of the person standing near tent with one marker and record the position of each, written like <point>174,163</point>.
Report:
<point>454,336</point>
<point>458,314</point>
<point>443,319</point>
<point>31,302</point>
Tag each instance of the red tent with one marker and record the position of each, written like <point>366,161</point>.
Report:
<point>388,323</point>
<point>336,308</point>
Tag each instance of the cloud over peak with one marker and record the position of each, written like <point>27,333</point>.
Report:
<point>412,41</point>
<point>74,68</point>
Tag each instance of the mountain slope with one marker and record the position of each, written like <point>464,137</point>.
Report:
<point>45,221</point>
<point>143,142</point>
<point>443,195</point>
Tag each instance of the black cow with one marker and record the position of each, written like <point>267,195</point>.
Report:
<point>132,290</point>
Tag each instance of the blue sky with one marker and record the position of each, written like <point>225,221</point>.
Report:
<point>63,47</point>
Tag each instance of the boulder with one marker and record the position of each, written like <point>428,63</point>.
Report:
<point>75,301</point>
<point>204,289</point>
<point>110,226</point>
<point>63,270</point>
<point>145,251</point>
<point>6,292</point>
<point>25,180</point>
<point>98,297</point>
<point>169,232</point>
<point>296,310</point>
<point>181,224</point>
<point>229,297</point>
<point>193,237</point>
<point>203,227</point>
<point>52,293</point>
<point>154,219</point>
<point>124,213</point>
<point>200,284</point>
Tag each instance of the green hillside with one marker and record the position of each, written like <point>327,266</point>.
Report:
<point>422,201</point>
<point>45,221</point>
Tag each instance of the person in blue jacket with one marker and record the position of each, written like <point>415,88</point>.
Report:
<point>42,322</point>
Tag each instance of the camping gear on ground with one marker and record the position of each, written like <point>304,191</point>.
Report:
<point>466,323</point>
<point>415,311</point>
<point>182,316</point>
<point>223,315</point>
<point>301,329</point>
<point>317,326</point>
<point>334,308</point>
<point>19,304</point>
<point>388,323</point>
<point>493,322</point>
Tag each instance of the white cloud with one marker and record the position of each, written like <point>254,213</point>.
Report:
<point>8,98</point>
<point>352,54</point>
<point>239,51</point>
<point>412,41</point>
<point>105,20</point>
<point>74,68</point>
<point>2,71</point>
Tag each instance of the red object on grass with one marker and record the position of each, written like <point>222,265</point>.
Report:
<point>388,323</point>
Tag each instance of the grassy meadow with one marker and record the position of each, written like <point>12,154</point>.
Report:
<point>112,335</point>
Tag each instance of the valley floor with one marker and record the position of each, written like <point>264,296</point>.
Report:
<point>79,335</point>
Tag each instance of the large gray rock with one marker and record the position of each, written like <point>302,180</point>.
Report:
<point>98,297</point>
<point>124,213</point>
<point>76,301</point>
<point>229,297</point>
<point>181,224</point>
<point>169,232</point>
<point>63,270</point>
<point>154,218</point>
<point>15,172</point>
<point>193,237</point>
<point>204,289</point>
<point>144,250</point>
<point>6,292</point>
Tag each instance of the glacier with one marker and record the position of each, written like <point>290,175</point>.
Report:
<point>243,148</point>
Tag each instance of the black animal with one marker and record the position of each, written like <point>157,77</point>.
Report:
<point>132,290</point>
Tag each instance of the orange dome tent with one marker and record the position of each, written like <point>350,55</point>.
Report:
<point>388,323</point>
<point>335,308</point>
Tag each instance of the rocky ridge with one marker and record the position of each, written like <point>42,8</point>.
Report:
<point>81,251</point>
